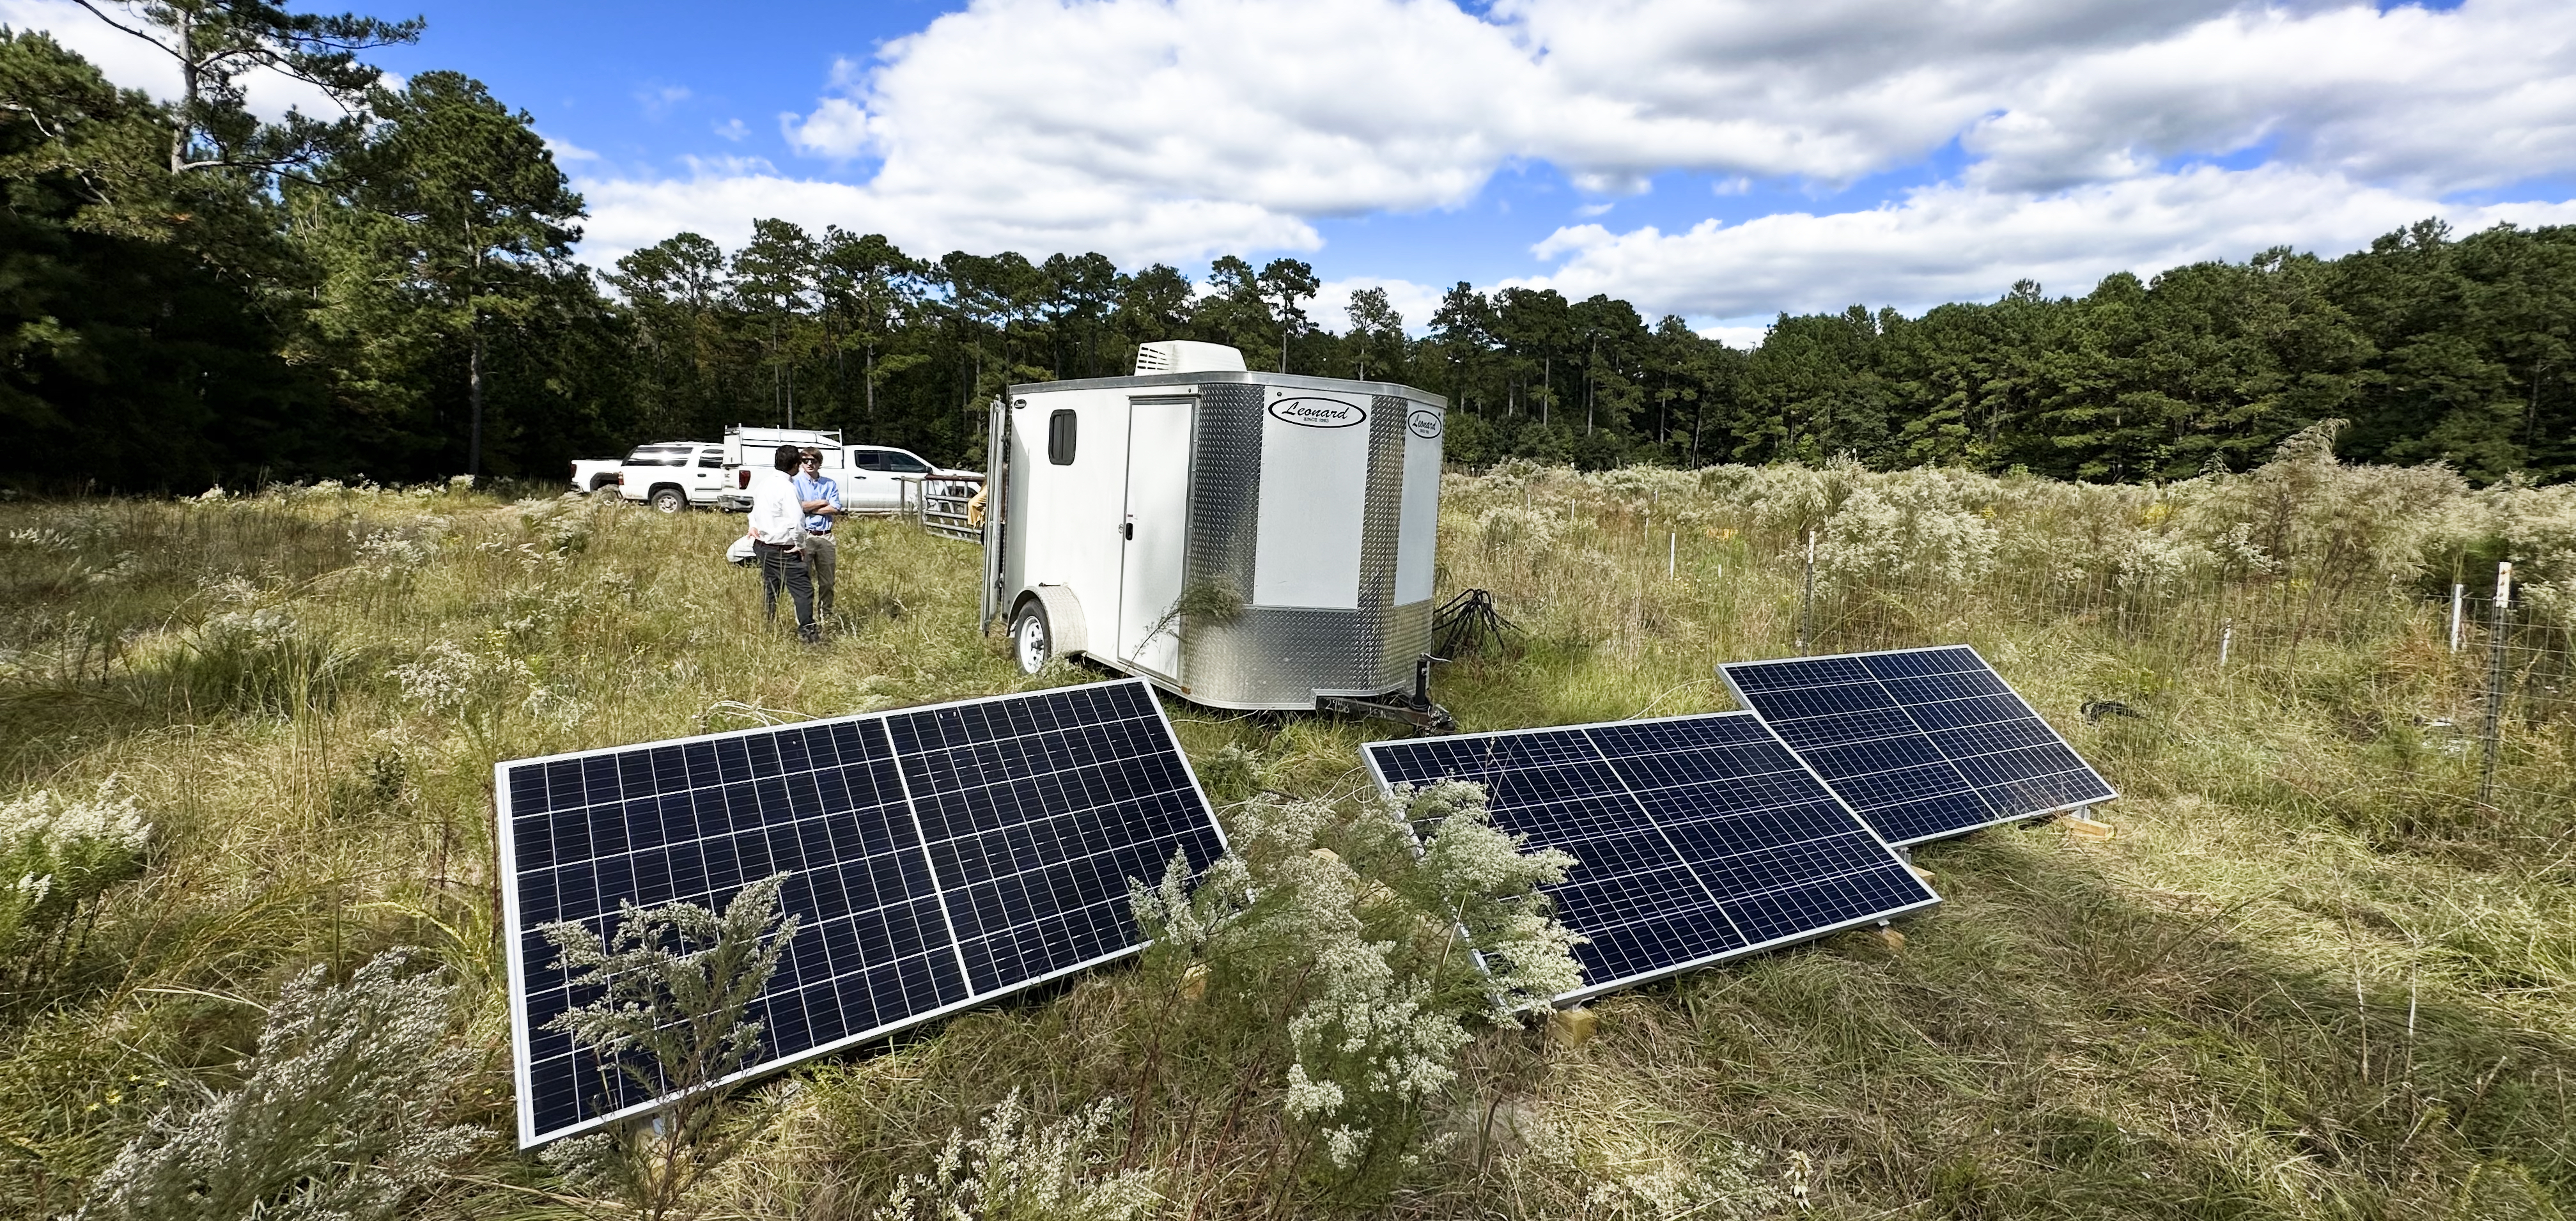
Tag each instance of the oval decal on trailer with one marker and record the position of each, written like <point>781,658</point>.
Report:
<point>1424,422</point>
<point>1318,413</point>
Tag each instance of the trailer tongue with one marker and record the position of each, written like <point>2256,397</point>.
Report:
<point>1243,540</point>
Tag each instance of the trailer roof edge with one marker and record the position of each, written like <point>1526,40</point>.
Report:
<point>1230,376</point>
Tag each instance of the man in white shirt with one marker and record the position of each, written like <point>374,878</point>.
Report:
<point>777,532</point>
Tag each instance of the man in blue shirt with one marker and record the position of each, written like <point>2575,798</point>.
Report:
<point>820,496</point>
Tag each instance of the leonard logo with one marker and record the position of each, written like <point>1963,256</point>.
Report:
<point>1318,413</point>
<point>1424,422</point>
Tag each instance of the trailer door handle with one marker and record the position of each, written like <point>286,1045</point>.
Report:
<point>1127,530</point>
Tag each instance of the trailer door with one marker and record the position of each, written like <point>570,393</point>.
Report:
<point>1156,531</point>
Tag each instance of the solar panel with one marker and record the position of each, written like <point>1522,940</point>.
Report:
<point>1700,838</point>
<point>1924,743</point>
<point>941,857</point>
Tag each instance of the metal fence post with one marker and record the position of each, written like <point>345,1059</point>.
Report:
<point>2495,681</point>
<point>2226,640</point>
<point>2459,592</point>
<point>1807,597</point>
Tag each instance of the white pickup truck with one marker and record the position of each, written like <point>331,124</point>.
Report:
<point>595,474</point>
<point>877,473</point>
<point>673,475</point>
<point>872,477</point>
<point>747,447</point>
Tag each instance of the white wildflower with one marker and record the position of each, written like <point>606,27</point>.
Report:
<point>441,678</point>
<point>1009,1171</point>
<point>1911,528</point>
<point>394,549</point>
<point>1345,1144</point>
<point>336,1117</point>
<point>1308,1097</point>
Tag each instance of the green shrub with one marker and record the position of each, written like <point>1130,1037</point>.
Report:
<point>337,1116</point>
<point>58,857</point>
<point>1053,1173</point>
<point>260,659</point>
<point>1362,953</point>
<point>678,981</point>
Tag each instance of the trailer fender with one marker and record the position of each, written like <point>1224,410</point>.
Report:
<point>1064,617</point>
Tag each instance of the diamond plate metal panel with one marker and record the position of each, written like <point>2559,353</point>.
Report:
<point>1383,518</point>
<point>1225,494</point>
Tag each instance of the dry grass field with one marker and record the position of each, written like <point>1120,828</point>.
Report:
<point>2311,975</point>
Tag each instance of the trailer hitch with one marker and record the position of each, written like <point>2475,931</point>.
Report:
<point>1413,708</point>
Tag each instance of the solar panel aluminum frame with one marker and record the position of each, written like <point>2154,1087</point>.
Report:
<point>1725,671</point>
<point>522,1062</point>
<point>1579,995</point>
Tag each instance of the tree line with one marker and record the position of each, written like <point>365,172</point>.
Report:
<point>190,294</point>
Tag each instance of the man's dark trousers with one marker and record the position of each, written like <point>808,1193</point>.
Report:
<point>784,564</point>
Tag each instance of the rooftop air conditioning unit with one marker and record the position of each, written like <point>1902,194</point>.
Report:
<point>1186,356</point>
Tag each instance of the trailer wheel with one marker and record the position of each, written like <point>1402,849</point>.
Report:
<point>669,500</point>
<point>1032,637</point>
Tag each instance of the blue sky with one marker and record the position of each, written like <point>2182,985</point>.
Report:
<point>1720,159</point>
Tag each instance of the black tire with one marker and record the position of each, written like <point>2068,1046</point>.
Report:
<point>1032,637</point>
<point>669,500</point>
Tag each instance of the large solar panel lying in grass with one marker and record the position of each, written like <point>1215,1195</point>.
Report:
<point>1924,743</point>
<point>941,856</point>
<point>1699,838</point>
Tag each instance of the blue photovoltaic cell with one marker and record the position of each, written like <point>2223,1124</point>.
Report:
<point>1924,743</point>
<point>938,856</point>
<point>1698,838</point>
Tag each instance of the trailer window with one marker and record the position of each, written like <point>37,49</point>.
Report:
<point>1060,438</point>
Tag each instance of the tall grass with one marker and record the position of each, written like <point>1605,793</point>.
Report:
<point>2310,977</point>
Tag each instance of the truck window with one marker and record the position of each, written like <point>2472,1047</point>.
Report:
<point>905,464</point>
<point>868,460</point>
<point>1060,438</point>
<point>650,456</point>
<point>712,459</point>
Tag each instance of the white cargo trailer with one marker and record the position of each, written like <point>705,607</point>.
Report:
<point>1244,540</point>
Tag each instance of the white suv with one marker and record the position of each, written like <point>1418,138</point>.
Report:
<point>672,475</point>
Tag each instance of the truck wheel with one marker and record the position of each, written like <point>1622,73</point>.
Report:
<point>1032,638</point>
<point>669,500</point>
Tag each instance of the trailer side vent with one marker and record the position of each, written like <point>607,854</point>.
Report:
<point>1060,438</point>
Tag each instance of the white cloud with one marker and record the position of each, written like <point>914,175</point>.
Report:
<point>1968,241</point>
<point>722,199</point>
<point>566,151</point>
<point>134,64</point>
<point>1743,337</point>
<point>837,129</point>
<point>1176,129</point>
<point>1245,121</point>
<point>732,129</point>
<point>658,101</point>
